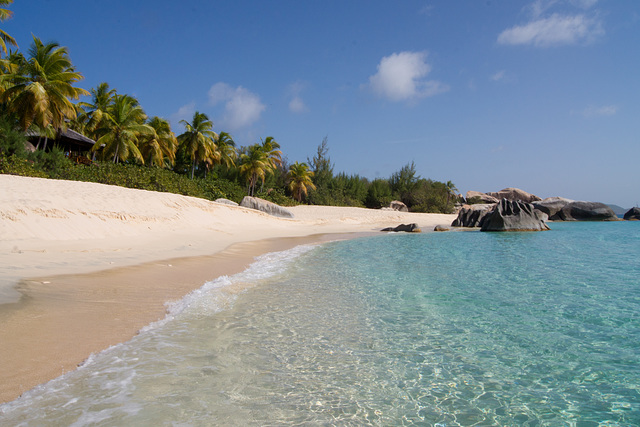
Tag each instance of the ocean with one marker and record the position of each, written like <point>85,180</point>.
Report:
<point>432,329</point>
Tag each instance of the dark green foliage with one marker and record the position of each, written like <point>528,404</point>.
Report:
<point>379,194</point>
<point>12,139</point>
<point>15,165</point>
<point>404,183</point>
<point>53,162</point>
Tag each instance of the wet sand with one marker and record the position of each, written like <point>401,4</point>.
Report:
<point>59,321</point>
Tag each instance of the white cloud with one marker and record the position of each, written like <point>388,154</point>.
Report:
<point>554,30</point>
<point>498,76</point>
<point>241,106</point>
<point>185,112</point>
<point>605,110</point>
<point>296,104</point>
<point>401,76</point>
<point>584,4</point>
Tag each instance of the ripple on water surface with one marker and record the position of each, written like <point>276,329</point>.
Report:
<point>435,329</point>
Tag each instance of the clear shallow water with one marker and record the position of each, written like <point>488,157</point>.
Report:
<point>441,329</point>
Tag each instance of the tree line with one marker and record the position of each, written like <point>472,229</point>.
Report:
<point>39,96</point>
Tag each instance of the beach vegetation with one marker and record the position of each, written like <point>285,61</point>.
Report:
<point>299,177</point>
<point>12,139</point>
<point>122,129</point>
<point>39,101</point>
<point>159,146</point>
<point>4,37</point>
<point>40,89</point>
<point>197,142</point>
<point>254,164</point>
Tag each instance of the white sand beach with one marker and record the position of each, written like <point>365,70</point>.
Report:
<point>95,263</point>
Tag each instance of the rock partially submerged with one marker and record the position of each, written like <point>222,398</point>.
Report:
<point>632,214</point>
<point>551,205</point>
<point>585,211</point>
<point>511,215</point>
<point>265,206</point>
<point>409,228</point>
<point>441,227</point>
<point>471,215</point>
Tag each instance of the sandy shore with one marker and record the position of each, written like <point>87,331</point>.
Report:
<point>84,266</point>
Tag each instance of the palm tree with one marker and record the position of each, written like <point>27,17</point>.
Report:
<point>41,88</point>
<point>299,177</point>
<point>198,140</point>
<point>226,146</point>
<point>159,145</point>
<point>93,112</point>
<point>9,65</point>
<point>274,155</point>
<point>4,37</point>
<point>254,164</point>
<point>122,128</point>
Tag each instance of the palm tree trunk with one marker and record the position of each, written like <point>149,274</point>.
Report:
<point>193,167</point>
<point>38,144</point>
<point>115,155</point>
<point>46,139</point>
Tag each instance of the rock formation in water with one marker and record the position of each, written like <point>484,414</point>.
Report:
<point>551,205</point>
<point>632,214</point>
<point>409,228</point>
<point>511,215</point>
<point>585,211</point>
<point>471,215</point>
<point>265,206</point>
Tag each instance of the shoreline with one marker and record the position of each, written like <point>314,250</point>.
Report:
<point>84,266</point>
<point>62,320</point>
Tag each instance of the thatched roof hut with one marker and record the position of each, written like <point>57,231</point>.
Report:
<point>69,140</point>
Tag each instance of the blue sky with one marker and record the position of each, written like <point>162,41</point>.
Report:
<point>542,95</point>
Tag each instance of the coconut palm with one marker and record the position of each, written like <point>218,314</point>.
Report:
<point>198,140</point>
<point>160,146</point>
<point>226,146</point>
<point>274,156</point>
<point>8,65</point>
<point>299,178</point>
<point>122,129</point>
<point>93,112</point>
<point>4,37</point>
<point>40,90</point>
<point>254,164</point>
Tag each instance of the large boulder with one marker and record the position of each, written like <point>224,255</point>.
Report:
<point>515,194</point>
<point>471,215</point>
<point>409,228</point>
<point>632,214</point>
<point>478,197</point>
<point>551,205</point>
<point>397,205</point>
<point>226,202</point>
<point>585,211</point>
<point>265,206</point>
<point>511,215</point>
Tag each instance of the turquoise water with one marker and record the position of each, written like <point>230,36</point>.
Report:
<point>440,329</point>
